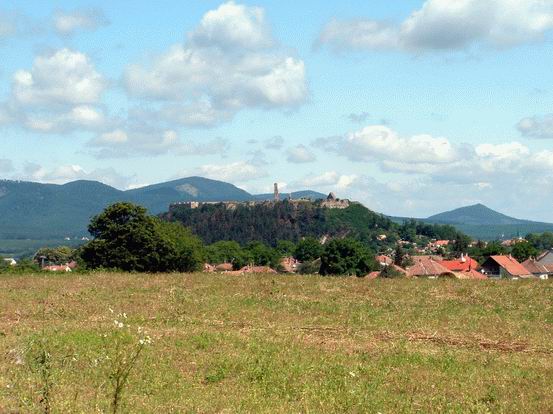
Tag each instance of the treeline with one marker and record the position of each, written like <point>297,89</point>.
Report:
<point>126,238</point>
<point>271,222</point>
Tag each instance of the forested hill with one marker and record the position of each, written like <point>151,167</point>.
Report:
<point>270,222</point>
<point>48,211</point>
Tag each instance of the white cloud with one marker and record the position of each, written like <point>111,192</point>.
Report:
<point>233,25</point>
<point>62,174</point>
<point>300,154</point>
<point>379,142</point>
<point>81,117</point>
<point>138,139</point>
<point>537,127</point>
<point>68,23</point>
<point>435,174</point>
<point>235,172</point>
<point>229,63</point>
<point>445,25</point>
<point>61,93</point>
<point>329,179</point>
<point>64,77</point>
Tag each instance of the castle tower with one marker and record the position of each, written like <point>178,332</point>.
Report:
<point>277,195</point>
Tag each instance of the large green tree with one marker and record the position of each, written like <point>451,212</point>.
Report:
<point>187,253</point>
<point>523,250</point>
<point>127,238</point>
<point>226,252</point>
<point>308,249</point>
<point>347,257</point>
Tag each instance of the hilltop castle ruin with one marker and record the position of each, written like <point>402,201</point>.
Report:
<point>331,202</point>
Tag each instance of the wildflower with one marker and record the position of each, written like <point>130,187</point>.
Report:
<point>118,324</point>
<point>145,341</point>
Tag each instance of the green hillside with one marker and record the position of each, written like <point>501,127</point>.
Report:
<point>52,212</point>
<point>476,215</point>
<point>481,222</point>
<point>270,222</point>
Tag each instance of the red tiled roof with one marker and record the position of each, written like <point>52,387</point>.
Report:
<point>511,265</point>
<point>535,267</point>
<point>426,267</point>
<point>460,265</point>
<point>471,274</point>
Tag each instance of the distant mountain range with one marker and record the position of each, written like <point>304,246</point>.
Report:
<point>48,211</point>
<point>484,223</point>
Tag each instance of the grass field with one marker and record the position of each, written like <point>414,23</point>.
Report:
<point>275,344</point>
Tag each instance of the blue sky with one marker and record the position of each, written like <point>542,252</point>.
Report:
<point>410,107</point>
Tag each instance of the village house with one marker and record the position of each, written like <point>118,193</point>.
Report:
<point>438,244</point>
<point>426,266</point>
<point>464,264</point>
<point>546,258</point>
<point>505,267</point>
<point>538,269</point>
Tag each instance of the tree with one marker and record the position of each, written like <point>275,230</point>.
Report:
<point>225,252</point>
<point>260,254</point>
<point>389,272</point>
<point>523,250</point>
<point>187,251</point>
<point>54,255</point>
<point>399,255</point>
<point>308,249</point>
<point>542,241</point>
<point>286,248</point>
<point>493,249</point>
<point>460,244</point>
<point>126,238</point>
<point>347,257</point>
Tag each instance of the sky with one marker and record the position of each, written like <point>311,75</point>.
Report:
<point>410,107</point>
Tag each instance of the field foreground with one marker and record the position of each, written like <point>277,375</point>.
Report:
<point>275,344</point>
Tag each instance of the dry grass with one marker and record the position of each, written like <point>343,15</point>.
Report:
<point>279,344</point>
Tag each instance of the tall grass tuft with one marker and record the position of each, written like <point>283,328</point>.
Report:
<point>123,349</point>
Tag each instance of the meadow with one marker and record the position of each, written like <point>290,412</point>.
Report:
<point>207,343</point>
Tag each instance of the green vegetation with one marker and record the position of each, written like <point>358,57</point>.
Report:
<point>48,211</point>
<point>347,257</point>
<point>308,249</point>
<point>271,222</point>
<point>542,241</point>
<point>276,344</point>
<point>27,248</point>
<point>55,255</point>
<point>523,250</point>
<point>126,238</point>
